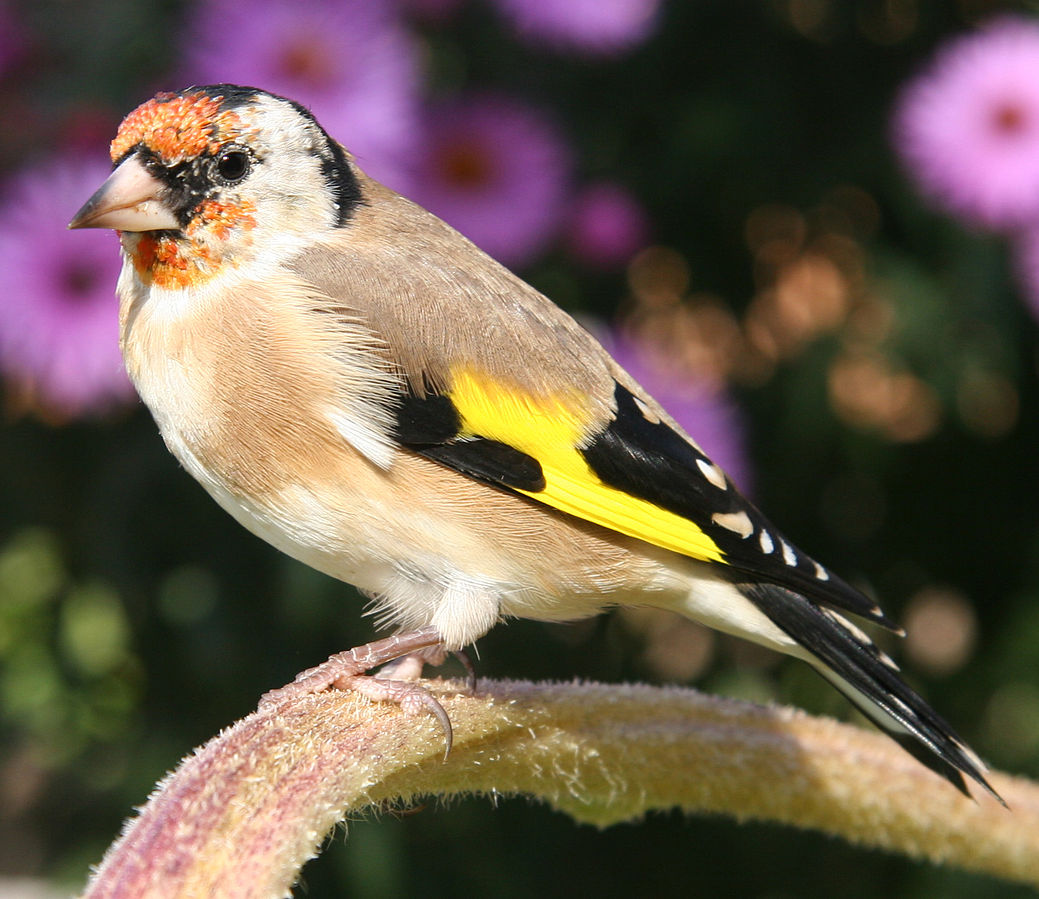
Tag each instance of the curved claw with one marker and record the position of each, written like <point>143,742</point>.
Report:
<point>420,699</point>
<point>412,698</point>
<point>346,670</point>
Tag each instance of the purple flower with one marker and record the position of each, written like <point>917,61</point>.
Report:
<point>700,406</point>
<point>349,61</point>
<point>967,127</point>
<point>59,331</point>
<point>496,170</point>
<point>594,27</point>
<point>607,226</point>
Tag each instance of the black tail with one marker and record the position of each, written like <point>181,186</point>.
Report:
<point>852,663</point>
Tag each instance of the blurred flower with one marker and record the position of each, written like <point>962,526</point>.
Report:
<point>868,391</point>
<point>349,61</point>
<point>607,226</point>
<point>498,171</point>
<point>702,407</point>
<point>695,332</point>
<point>968,126</point>
<point>810,269</point>
<point>941,630</point>
<point>59,342</point>
<point>599,27</point>
<point>810,296</point>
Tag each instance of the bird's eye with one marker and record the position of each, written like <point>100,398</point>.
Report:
<point>232,165</point>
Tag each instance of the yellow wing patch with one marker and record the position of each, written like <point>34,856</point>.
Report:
<point>551,430</point>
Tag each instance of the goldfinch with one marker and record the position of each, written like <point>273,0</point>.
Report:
<point>362,387</point>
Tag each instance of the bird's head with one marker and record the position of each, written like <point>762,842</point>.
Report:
<point>216,177</point>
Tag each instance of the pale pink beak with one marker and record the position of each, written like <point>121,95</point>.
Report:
<point>130,200</point>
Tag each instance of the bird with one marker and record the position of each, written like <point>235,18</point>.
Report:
<point>359,385</point>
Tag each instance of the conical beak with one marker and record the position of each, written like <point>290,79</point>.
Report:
<point>130,200</point>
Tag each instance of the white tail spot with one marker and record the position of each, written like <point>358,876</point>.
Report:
<point>857,632</point>
<point>887,660</point>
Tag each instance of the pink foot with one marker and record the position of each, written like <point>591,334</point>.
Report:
<point>410,667</point>
<point>348,671</point>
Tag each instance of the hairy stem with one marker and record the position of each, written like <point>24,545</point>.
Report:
<point>242,814</point>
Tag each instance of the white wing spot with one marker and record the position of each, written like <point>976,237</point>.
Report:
<point>737,522</point>
<point>647,413</point>
<point>713,473</point>
<point>789,556</point>
<point>821,573</point>
<point>765,539</point>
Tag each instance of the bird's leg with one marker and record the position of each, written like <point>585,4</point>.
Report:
<point>470,668</point>
<point>348,671</point>
<point>409,667</point>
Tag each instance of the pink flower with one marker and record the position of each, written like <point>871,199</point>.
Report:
<point>498,171</point>
<point>593,27</point>
<point>702,408</point>
<point>967,127</point>
<point>59,331</point>
<point>349,61</point>
<point>607,226</point>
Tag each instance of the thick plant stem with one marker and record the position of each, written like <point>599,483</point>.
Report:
<point>242,814</point>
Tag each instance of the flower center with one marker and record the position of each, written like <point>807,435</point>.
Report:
<point>1009,119</point>
<point>305,59</point>
<point>79,281</point>
<point>465,166</point>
